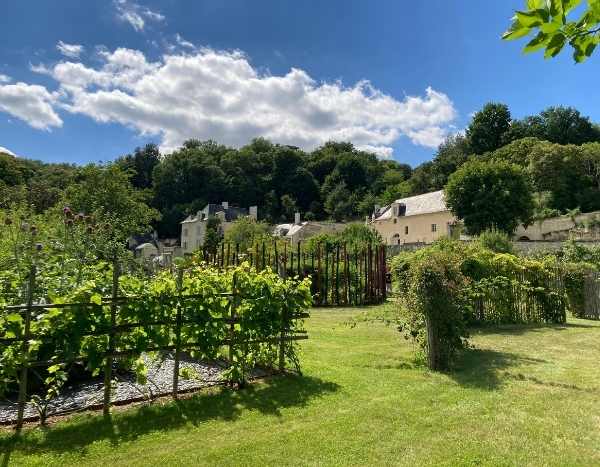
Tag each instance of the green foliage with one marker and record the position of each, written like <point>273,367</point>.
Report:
<point>490,195</point>
<point>106,191</point>
<point>496,241</point>
<point>433,308</point>
<point>487,127</point>
<point>501,287</point>
<point>70,273</point>
<point>213,234</point>
<point>246,232</point>
<point>551,22</point>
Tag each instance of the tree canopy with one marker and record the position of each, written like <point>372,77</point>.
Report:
<point>490,195</point>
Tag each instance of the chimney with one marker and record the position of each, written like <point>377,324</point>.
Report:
<point>225,204</point>
<point>296,218</point>
<point>254,212</point>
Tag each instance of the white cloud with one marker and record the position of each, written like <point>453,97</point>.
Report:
<point>183,43</point>
<point>220,95</point>
<point>69,50</point>
<point>135,14</point>
<point>4,78</point>
<point>31,103</point>
<point>6,151</point>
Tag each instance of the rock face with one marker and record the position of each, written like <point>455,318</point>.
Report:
<point>159,382</point>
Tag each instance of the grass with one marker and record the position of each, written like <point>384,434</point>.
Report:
<point>522,396</point>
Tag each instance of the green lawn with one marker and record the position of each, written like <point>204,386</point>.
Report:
<point>523,396</point>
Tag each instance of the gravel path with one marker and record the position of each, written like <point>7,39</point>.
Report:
<point>160,382</point>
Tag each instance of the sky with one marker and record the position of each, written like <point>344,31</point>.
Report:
<point>90,81</point>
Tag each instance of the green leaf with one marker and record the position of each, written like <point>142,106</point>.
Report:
<point>516,31</point>
<point>550,28</point>
<point>555,45</point>
<point>533,18</point>
<point>13,318</point>
<point>96,298</point>
<point>537,43</point>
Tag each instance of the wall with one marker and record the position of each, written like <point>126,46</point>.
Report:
<point>559,228</point>
<point>419,228</point>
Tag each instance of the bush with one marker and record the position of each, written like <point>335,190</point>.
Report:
<point>496,241</point>
<point>434,307</point>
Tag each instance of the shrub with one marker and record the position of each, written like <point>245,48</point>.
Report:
<point>434,307</point>
<point>496,241</point>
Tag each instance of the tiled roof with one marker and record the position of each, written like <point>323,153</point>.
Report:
<point>416,205</point>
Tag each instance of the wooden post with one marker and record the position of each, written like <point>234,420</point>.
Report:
<point>276,259</point>
<point>299,265</point>
<point>177,335</point>
<point>346,276</point>
<point>282,336</point>
<point>320,295</point>
<point>228,253</point>
<point>326,291</point>
<point>25,349</point>
<point>111,339</point>
<point>233,318</point>
<point>222,254</point>
<point>263,256</point>
<point>356,293</point>
<point>337,275</point>
<point>237,254</point>
<point>384,271</point>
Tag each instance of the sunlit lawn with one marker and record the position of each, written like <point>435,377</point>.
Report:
<point>523,396</point>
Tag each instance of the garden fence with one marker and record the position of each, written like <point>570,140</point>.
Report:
<point>591,309</point>
<point>340,275</point>
<point>114,350</point>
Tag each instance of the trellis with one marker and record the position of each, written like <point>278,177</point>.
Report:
<point>30,310</point>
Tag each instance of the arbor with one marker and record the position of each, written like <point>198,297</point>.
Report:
<point>490,195</point>
<point>487,127</point>
<point>551,22</point>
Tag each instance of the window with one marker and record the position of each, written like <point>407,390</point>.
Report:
<point>185,245</point>
<point>185,232</point>
<point>406,230</point>
<point>434,227</point>
<point>395,220</point>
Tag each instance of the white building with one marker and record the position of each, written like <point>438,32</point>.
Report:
<point>193,228</point>
<point>413,220</point>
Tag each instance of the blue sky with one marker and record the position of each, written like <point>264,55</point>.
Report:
<point>164,71</point>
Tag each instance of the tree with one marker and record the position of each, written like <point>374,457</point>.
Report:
<point>246,232</point>
<point>338,203</point>
<point>213,235</point>
<point>106,192</point>
<point>288,207</point>
<point>553,27</point>
<point>141,165</point>
<point>490,195</point>
<point>487,127</point>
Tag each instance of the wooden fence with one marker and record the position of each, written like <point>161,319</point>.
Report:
<point>341,276</point>
<point>114,351</point>
<point>521,297</point>
<point>591,309</point>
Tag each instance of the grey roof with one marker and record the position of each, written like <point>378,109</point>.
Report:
<point>417,205</point>
<point>231,213</point>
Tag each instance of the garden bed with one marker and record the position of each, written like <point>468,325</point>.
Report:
<point>89,394</point>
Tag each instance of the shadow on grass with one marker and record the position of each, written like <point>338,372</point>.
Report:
<point>521,329</point>
<point>223,404</point>
<point>482,368</point>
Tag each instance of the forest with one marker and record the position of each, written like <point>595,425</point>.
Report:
<point>556,151</point>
